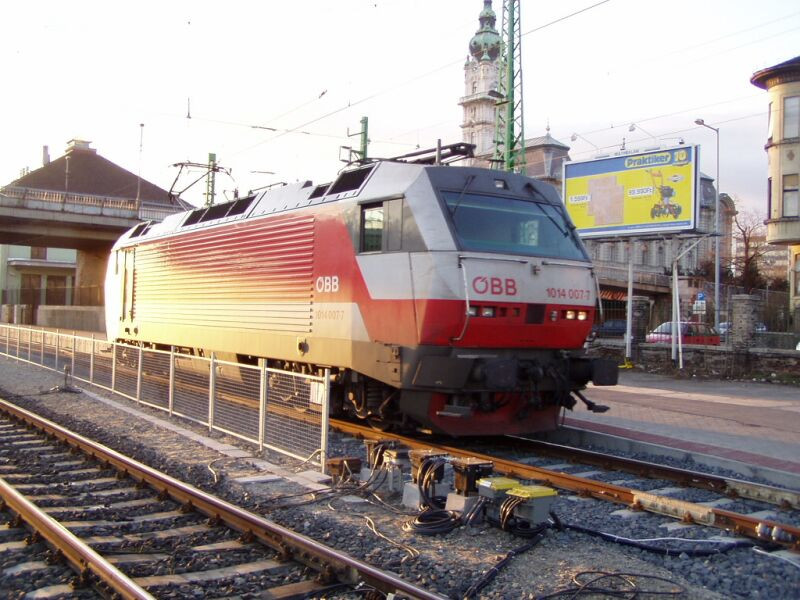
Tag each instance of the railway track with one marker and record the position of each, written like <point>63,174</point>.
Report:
<point>709,513</point>
<point>758,526</point>
<point>130,531</point>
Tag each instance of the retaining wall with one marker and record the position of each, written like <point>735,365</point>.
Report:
<point>709,361</point>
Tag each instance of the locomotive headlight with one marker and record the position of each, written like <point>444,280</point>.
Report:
<point>487,311</point>
<point>472,311</point>
<point>582,315</point>
<point>554,315</point>
<point>570,314</point>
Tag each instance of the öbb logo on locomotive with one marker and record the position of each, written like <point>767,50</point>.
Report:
<point>495,286</point>
<point>442,298</point>
<point>327,283</point>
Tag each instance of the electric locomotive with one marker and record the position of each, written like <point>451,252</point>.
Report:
<point>448,299</point>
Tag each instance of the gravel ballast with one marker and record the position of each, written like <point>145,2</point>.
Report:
<point>448,564</point>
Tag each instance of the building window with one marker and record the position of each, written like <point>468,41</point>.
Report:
<point>769,198</point>
<point>791,202</point>
<point>791,117</point>
<point>660,260</point>
<point>797,274</point>
<point>474,87</point>
<point>38,253</point>
<point>769,123</point>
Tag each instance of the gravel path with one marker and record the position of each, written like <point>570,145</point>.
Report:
<point>448,564</point>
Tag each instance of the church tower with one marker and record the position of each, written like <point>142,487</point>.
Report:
<point>480,78</point>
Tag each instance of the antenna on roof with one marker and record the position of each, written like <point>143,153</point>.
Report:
<point>188,108</point>
<point>139,175</point>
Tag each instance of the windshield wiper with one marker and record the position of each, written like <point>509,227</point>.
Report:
<point>546,202</point>
<point>470,179</point>
<point>552,220</point>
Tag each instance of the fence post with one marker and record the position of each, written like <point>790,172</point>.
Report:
<point>171,392</point>
<point>91,362</point>
<point>262,400</point>
<point>30,345</point>
<point>58,343</point>
<point>19,335</point>
<point>139,376</point>
<point>212,384</point>
<point>74,350</point>
<point>326,385</point>
<point>114,367</point>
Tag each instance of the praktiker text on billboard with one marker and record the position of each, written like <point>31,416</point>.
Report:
<point>644,193</point>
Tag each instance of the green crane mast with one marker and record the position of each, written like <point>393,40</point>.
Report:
<point>509,149</point>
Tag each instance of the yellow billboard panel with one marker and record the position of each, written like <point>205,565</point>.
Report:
<point>648,192</point>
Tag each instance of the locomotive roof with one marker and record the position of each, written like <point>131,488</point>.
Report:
<point>369,183</point>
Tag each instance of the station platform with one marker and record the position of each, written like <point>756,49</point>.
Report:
<point>749,422</point>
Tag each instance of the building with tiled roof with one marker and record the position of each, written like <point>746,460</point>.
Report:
<point>81,170</point>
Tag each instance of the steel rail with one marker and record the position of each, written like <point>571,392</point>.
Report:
<point>289,544</point>
<point>689,512</point>
<point>81,556</point>
<point>736,488</point>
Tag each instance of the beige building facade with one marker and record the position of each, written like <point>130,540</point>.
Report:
<point>782,82</point>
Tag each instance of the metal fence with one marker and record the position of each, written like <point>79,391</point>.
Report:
<point>280,410</point>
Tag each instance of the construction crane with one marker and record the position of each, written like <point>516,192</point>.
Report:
<point>509,149</point>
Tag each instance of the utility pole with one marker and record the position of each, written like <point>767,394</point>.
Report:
<point>509,150</point>
<point>211,179</point>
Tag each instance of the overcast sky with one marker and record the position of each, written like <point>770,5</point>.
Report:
<point>312,69</point>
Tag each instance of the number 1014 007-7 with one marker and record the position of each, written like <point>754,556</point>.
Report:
<point>571,293</point>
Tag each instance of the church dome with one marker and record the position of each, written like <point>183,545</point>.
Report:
<point>485,44</point>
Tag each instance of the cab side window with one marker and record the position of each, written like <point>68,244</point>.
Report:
<point>382,226</point>
<point>372,228</point>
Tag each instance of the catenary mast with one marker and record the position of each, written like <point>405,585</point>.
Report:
<point>509,150</point>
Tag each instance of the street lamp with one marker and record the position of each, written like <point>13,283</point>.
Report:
<point>575,136</point>
<point>634,127</point>
<point>702,123</point>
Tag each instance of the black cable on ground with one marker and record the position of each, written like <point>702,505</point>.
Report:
<point>471,515</point>
<point>426,483</point>
<point>433,522</point>
<point>476,587</point>
<point>619,585</point>
<point>610,537</point>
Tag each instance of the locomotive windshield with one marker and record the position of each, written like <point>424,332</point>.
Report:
<point>511,226</point>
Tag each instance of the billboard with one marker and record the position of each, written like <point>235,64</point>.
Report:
<point>635,194</point>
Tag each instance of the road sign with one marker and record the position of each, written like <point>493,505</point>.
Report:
<point>701,295</point>
<point>699,307</point>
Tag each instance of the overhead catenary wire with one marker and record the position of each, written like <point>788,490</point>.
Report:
<point>393,87</point>
<point>298,129</point>
<point>459,61</point>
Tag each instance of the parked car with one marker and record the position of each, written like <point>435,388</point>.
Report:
<point>725,327</point>
<point>691,333</point>
<point>609,328</point>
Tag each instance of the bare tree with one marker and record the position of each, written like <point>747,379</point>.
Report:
<point>749,236</point>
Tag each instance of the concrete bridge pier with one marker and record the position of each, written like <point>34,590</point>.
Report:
<point>90,274</point>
